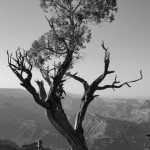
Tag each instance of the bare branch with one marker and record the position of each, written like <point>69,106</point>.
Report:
<point>51,50</point>
<point>89,90</point>
<point>85,84</point>
<point>42,92</point>
<point>89,94</point>
<point>50,22</point>
<point>19,67</point>
<point>113,86</point>
<point>58,79</point>
<point>61,5</point>
<point>46,75</point>
<point>78,5</point>
<point>96,82</point>
<point>36,97</point>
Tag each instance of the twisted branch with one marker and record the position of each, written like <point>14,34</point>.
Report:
<point>81,80</point>
<point>22,65</point>
<point>96,82</point>
<point>113,86</point>
<point>90,90</point>
<point>42,91</point>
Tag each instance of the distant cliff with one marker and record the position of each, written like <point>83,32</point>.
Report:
<point>110,124</point>
<point>112,134</point>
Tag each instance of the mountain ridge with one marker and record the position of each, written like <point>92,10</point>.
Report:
<point>24,122</point>
<point>74,95</point>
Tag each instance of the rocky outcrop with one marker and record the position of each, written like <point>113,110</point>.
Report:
<point>112,134</point>
<point>28,131</point>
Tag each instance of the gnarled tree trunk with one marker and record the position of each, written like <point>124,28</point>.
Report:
<point>51,102</point>
<point>61,124</point>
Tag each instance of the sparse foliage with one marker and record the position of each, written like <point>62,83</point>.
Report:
<point>69,32</point>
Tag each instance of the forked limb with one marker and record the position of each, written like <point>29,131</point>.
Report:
<point>20,65</point>
<point>115,83</point>
<point>95,86</point>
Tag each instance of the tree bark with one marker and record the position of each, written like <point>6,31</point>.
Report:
<point>52,102</point>
<point>75,140</point>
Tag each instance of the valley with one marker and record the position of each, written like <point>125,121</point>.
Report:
<point>110,124</point>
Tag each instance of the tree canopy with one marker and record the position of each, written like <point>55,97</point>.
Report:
<point>69,22</point>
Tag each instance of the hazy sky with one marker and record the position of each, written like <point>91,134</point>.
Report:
<point>128,39</point>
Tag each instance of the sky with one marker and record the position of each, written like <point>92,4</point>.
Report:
<point>128,39</point>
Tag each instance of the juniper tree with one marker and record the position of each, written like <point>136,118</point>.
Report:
<point>69,32</point>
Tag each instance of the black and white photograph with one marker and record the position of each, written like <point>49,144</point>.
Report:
<point>75,75</point>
